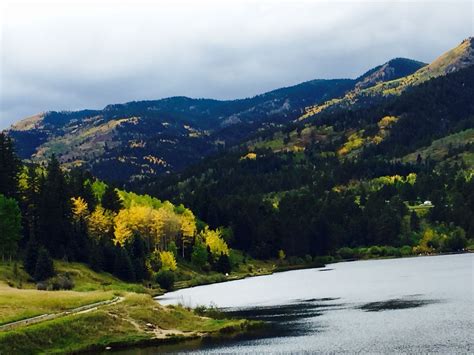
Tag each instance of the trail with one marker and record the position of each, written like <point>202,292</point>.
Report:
<point>45,317</point>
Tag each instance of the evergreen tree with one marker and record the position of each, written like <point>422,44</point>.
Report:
<point>9,167</point>
<point>31,256</point>
<point>10,227</point>
<point>414,222</point>
<point>123,267</point>
<point>44,265</point>
<point>111,200</point>
<point>223,264</point>
<point>54,211</point>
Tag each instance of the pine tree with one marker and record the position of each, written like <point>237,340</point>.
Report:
<point>44,265</point>
<point>223,264</point>
<point>31,256</point>
<point>10,226</point>
<point>55,210</point>
<point>9,167</point>
<point>111,200</point>
<point>123,267</point>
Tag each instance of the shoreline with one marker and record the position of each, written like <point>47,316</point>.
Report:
<point>285,268</point>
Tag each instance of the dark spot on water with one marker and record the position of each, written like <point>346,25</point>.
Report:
<point>325,269</point>
<point>397,303</point>
<point>324,299</point>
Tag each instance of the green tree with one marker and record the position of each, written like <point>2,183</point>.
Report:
<point>223,264</point>
<point>10,226</point>
<point>111,200</point>
<point>165,279</point>
<point>199,255</point>
<point>31,256</point>
<point>54,210</point>
<point>123,267</point>
<point>9,167</point>
<point>44,265</point>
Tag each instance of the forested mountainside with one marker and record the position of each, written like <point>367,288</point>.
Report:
<point>46,213</point>
<point>398,173</point>
<point>126,142</point>
<point>395,177</point>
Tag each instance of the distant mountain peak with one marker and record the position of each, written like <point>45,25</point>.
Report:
<point>393,69</point>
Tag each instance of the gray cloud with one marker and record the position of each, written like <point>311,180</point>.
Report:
<point>56,56</point>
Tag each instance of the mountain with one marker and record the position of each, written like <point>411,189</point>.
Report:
<point>354,178</point>
<point>126,142</point>
<point>455,59</point>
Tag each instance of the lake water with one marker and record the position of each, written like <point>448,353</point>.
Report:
<point>410,305</point>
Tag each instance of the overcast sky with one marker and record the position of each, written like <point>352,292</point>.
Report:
<point>67,55</point>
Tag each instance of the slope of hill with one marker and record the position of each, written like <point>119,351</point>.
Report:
<point>345,178</point>
<point>138,139</point>
<point>455,59</point>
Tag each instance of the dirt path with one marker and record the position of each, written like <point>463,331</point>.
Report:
<point>44,317</point>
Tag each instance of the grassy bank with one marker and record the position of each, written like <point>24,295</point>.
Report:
<point>136,319</point>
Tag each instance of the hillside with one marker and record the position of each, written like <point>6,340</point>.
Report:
<point>453,60</point>
<point>352,178</point>
<point>126,142</point>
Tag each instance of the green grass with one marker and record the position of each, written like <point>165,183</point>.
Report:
<point>17,304</point>
<point>124,323</point>
<point>86,279</point>
<point>439,148</point>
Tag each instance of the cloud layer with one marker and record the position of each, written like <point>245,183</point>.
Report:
<point>73,55</point>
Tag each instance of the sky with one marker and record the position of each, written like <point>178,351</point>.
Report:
<point>69,55</point>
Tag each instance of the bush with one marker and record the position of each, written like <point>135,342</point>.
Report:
<point>375,251</point>
<point>406,250</point>
<point>62,282</point>
<point>392,251</point>
<point>346,253</point>
<point>456,241</point>
<point>235,258</point>
<point>42,286</point>
<point>165,278</point>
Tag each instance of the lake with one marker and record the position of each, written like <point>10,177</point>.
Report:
<point>422,304</point>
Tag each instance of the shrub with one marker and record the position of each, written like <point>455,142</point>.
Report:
<point>346,253</point>
<point>165,279</point>
<point>235,258</point>
<point>456,241</point>
<point>392,251</point>
<point>42,286</point>
<point>406,250</point>
<point>62,282</point>
<point>375,251</point>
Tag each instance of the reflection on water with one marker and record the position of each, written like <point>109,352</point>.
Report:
<point>399,303</point>
<point>415,305</point>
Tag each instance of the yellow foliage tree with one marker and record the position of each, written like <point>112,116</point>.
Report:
<point>213,239</point>
<point>122,232</point>
<point>188,228</point>
<point>100,223</point>
<point>79,208</point>
<point>168,262</point>
<point>167,227</point>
